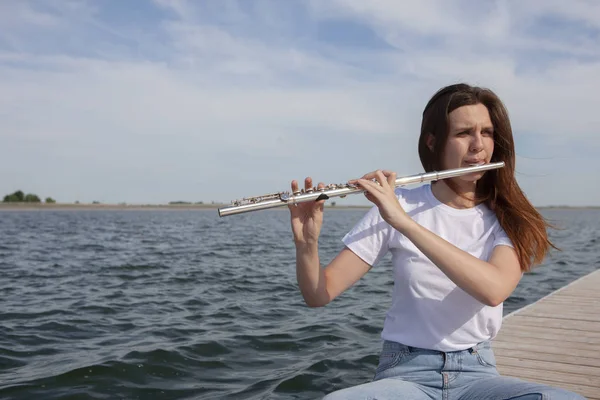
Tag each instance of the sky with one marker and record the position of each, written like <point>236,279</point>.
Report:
<point>170,100</point>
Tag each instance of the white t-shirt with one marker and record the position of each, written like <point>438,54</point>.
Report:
<point>428,310</point>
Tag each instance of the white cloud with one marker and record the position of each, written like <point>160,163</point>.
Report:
<point>20,15</point>
<point>178,108</point>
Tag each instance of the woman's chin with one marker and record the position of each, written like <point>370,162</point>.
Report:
<point>470,178</point>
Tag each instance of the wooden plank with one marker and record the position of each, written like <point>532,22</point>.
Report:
<point>543,332</point>
<point>552,323</point>
<point>589,361</point>
<point>556,339</point>
<point>567,303</point>
<point>570,310</point>
<point>554,366</point>
<point>582,287</point>
<point>538,348</point>
<point>554,376</point>
<point>564,317</point>
<point>572,295</point>
<point>557,343</point>
<point>589,392</point>
<point>571,301</point>
<point>547,338</point>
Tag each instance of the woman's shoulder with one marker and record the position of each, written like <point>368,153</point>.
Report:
<point>411,191</point>
<point>412,196</point>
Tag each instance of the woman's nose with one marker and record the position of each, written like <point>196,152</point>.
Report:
<point>476,141</point>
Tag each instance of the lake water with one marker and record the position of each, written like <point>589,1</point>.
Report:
<point>182,304</point>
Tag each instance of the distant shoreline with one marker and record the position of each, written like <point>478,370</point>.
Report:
<point>91,206</point>
<point>191,206</point>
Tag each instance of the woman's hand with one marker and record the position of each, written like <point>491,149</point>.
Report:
<point>306,217</point>
<point>383,196</point>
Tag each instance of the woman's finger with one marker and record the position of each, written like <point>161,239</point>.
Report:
<point>381,178</point>
<point>370,197</point>
<point>370,186</point>
<point>320,186</point>
<point>391,177</point>
<point>374,176</point>
<point>294,187</point>
<point>308,183</point>
<point>370,175</point>
<point>320,203</point>
<point>375,180</point>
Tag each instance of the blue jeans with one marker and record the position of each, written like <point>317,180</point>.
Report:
<point>411,373</point>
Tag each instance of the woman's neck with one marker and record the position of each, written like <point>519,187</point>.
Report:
<point>448,196</point>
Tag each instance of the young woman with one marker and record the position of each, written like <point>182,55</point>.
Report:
<point>459,248</point>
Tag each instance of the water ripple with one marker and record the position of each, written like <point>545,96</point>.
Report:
<point>185,305</point>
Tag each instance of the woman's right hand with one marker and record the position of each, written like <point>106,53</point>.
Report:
<point>307,217</point>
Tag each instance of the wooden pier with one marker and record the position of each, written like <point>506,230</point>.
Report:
<point>556,340</point>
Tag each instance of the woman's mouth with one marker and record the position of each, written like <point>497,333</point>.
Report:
<point>475,163</point>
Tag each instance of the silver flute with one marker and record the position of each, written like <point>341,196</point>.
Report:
<point>339,190</point>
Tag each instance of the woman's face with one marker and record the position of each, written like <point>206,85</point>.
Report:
<point>470,140</point>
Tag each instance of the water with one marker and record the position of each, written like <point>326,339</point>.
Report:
<point>176,304</point>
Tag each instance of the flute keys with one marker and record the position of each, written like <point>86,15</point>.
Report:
<point>258,199</point>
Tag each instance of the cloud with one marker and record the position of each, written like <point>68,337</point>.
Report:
<point>219,100</point>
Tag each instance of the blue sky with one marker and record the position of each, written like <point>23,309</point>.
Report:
<point>154,101</point>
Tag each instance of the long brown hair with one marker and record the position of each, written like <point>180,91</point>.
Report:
<point>498,188</point>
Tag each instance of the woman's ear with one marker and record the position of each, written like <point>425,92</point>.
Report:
<point>430,141</point>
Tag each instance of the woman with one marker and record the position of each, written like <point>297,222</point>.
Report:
<point>459,248</point>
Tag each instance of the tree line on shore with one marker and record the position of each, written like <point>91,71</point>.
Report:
<point>20,197</point>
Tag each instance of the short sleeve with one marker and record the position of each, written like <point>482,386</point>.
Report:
<point>369,238</point>
<point>501,238</point>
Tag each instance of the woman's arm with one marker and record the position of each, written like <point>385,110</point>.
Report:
<point>489,282</point>
<point>319,286</point>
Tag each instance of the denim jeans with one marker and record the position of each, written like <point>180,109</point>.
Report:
<point>410,373</point>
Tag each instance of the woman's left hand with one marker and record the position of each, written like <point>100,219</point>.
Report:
<point>383,195</point>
